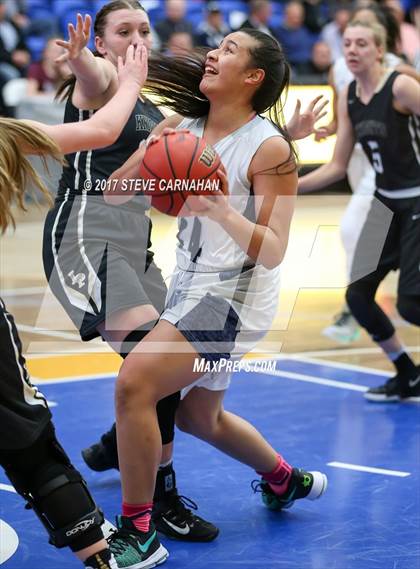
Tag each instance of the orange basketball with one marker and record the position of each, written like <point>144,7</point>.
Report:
<point>177,169</point>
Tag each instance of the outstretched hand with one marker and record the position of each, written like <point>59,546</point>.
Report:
<point>134,67</point>
<point>302,124</point>
<point>78,39</point>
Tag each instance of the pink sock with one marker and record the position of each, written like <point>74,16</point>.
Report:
<point>278,479</point>
<point>141,514</point>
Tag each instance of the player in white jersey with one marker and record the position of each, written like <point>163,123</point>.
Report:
<point>224,294</point>
<point>360,173</point>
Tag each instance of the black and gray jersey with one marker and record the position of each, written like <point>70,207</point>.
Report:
<point>390,139</point>
<point>85,170</point>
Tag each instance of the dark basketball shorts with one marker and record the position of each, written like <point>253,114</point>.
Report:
<point>97,261</point>
<point>24,411</point>
<point>390,240</point>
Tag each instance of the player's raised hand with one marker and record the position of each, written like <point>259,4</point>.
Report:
<point>302,124</point>
<point>78,39</point>
<point>134,67</point>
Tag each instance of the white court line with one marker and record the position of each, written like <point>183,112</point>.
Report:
<point>342,365</point>
<point>7,488</point>
<point>349,352</point>
<point>370,469</point>
<point>83,350</point>
<point>11,292</point>
<point>317,380</point>
<point>52,333</point>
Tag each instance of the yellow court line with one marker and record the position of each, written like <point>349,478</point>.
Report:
<point>73,365</point>
<point>91,364</point>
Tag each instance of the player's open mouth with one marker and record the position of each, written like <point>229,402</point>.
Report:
<point>209,70</point>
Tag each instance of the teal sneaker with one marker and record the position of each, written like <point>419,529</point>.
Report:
<point>344,330</point>
<point>310,485</point>
<point>134,549</point>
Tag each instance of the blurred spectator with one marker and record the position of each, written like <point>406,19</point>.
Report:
<point>317,70</point>
<point>297,41</point>
<point>15,11</point>
<point>416,18</point>
<point>174,22</point>
<point>213,29</point>
<point>314,19</point>
<point>179,43</point>
<point>46,75</point>
<point>332,33</point>
<point>14,55</point>
<point>260,12</point>
<point>410,42</point>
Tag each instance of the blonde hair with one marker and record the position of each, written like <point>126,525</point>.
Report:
<point>378,30</point>
<point>16,172</point>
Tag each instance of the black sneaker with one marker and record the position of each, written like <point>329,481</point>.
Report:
<point>397,388</point>
<point>103,455</point>
<point>134,549</point>
<point>309,485</point>
<point>173,519</point>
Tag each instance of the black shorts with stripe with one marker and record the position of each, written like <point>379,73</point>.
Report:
<point>24,411</point>
<point>389,241</point>
<point>97,260</point>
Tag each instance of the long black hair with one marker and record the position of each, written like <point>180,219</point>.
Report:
<point>176,80</point>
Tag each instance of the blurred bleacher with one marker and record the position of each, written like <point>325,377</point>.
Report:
<point>61,12</point>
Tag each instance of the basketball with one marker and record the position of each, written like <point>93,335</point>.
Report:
<point>178,168</point>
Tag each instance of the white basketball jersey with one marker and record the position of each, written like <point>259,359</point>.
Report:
<point>203,245</point>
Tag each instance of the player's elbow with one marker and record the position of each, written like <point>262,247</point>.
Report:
<point>273,259</point>
<point>109,135</point>
<point>272,263</point>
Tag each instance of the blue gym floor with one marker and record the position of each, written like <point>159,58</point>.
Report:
<point>366,520</point>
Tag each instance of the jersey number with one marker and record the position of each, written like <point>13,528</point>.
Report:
<point>376,156</point>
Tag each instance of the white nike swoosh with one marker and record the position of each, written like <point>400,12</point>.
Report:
<point>415,216</point>
<point>181,530</point>
<point>414,382</point>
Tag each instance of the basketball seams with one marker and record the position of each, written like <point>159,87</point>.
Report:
<point>168,156</point>
<point>197,143</point>
<point>184,154</point>
<point>151,171</point>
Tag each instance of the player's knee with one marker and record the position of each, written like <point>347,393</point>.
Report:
<point>196,421</point>
<point>135,385</point>
<point>55,490</point>
<point>356,297</point>
<point>409,308</point>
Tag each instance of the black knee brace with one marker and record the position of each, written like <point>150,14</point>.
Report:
<point>167,407</point>
<point>409,308</point>
<point>55,490</point>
